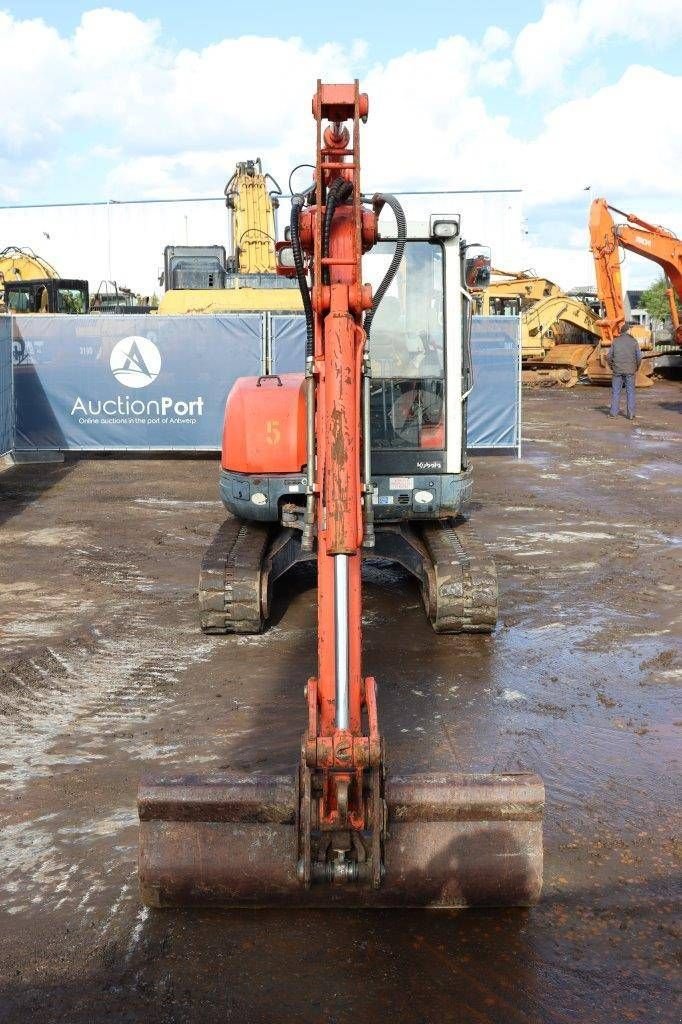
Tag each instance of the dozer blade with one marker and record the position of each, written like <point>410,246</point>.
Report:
<point>217,839</point>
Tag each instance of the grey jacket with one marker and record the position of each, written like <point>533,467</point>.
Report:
<point>624,355</point>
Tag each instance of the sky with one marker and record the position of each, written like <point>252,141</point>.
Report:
<point>567,99</point>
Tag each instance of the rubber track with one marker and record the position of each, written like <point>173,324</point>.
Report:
<point>230,579</point>
<point>466,579</point>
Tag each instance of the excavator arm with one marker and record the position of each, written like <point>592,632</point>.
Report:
<point>253,207</point>
<point>548,319</point>
<point>523,284</point>
<point>638,236</point>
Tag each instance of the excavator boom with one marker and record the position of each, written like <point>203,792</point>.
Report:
<point>638,236</point>
<point>204,279</point>
<point>253,206</point>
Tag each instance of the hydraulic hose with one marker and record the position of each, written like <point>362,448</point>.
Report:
<point>308,531</point>
<point>339,193</point>
<point>296,204</point>
<point>378,200</point>
<point>399,214</point>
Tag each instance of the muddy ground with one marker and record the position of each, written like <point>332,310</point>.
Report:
<point>105,674</point>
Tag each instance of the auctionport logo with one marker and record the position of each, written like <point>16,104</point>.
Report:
<point>135,361</point>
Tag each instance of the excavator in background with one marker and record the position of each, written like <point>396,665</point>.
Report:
<point>344,830</point>
<point>203,279</point>
<point>639,236</point>
<point>559,332</point>
<point>29,284</point>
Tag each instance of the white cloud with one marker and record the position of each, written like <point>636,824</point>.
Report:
<point>494,72</point>
<point>619,140</point>
<point>168,122</point>
<point>35,70</point>
<point>544,49</point>
<point>494,39</point>
<point>418,136</point>
<point>109,38</point>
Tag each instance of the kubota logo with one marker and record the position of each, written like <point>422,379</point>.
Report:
<point>135,362</point>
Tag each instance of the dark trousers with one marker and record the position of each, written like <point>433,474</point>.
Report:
<point>617,382</point>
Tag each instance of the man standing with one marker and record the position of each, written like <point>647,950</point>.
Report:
<point>624,357</point>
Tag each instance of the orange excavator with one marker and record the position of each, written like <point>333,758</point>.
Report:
<point>340,831</point>
<point>638,236</point>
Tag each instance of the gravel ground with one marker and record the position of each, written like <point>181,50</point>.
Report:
<point>103,673</point>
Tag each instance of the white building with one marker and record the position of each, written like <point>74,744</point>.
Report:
<point>124,242</point>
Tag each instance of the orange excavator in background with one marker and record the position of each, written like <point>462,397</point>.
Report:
<point>341,830</point>
<point>638,236</point>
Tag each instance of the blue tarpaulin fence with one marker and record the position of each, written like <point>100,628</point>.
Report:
<point>494,406</point>
<point>109,383</point>
<point>6,387</point>
<point>154,383</point>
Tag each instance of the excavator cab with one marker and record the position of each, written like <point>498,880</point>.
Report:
<point>407,401</point>
<point>416,408</point>
<point>50,295</point>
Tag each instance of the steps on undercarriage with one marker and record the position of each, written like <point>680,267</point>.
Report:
<point>457,575</point>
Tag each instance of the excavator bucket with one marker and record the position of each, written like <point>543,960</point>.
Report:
<point>219,839</point>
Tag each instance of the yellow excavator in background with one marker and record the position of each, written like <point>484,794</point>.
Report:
<point>29,284</point>
<point>202,279</point>
<point>560,336</point>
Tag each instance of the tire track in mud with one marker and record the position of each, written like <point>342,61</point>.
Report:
<point>59,706</point>
<point>60,690</point>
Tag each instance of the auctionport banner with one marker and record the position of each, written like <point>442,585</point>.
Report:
<point>136,383</point>
<point>100,383</point>
<point>6,395</point>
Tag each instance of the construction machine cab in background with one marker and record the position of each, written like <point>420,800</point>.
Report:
<point>50,295</point>
<point>204,279</point>
<point>29,284</point>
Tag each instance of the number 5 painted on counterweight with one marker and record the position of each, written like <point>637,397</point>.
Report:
<point>273,432</point>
